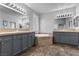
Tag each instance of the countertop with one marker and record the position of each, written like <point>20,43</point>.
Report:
<point>69,30</point>
<point>14,32</point>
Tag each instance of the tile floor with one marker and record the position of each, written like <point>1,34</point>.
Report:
<point>46,48</point>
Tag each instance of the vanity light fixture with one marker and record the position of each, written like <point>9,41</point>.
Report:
<point>13,6</point>
<point>10,4</point>
<point>7,3</point>
<point>21,10</point>
<point>18,9</point>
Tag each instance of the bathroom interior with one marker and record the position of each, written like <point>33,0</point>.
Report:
<point>39,29</point>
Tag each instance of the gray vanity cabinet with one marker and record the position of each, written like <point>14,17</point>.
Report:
<point>33,38</point>
<point>71,38</point>
<point>63,37</point>
<point>6,45</point>
<point>56,37</point>
<point>29,40</point>
<point>17,45</point>
<point>24,42</point>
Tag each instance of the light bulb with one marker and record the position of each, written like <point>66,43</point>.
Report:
<point>15,7</point>
<point>11,5</point>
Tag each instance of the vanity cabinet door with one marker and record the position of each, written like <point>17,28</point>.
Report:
<point>73,38</point>
<point>6,46</point>
<point>63,37</point>
<point>24,42</point>
<point>33,38</point>
<point>56,36</point>
<point>67,38</point>
<point>29,40</point>
<point>17,44</point>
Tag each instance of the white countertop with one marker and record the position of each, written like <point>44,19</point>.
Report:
<point>43,35</point>
<point>14,32</point>
<point>67,30</point>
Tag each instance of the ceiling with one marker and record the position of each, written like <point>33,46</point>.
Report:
<point>48,7</point>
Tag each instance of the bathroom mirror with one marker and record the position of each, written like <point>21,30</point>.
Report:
<point>24,22</point>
